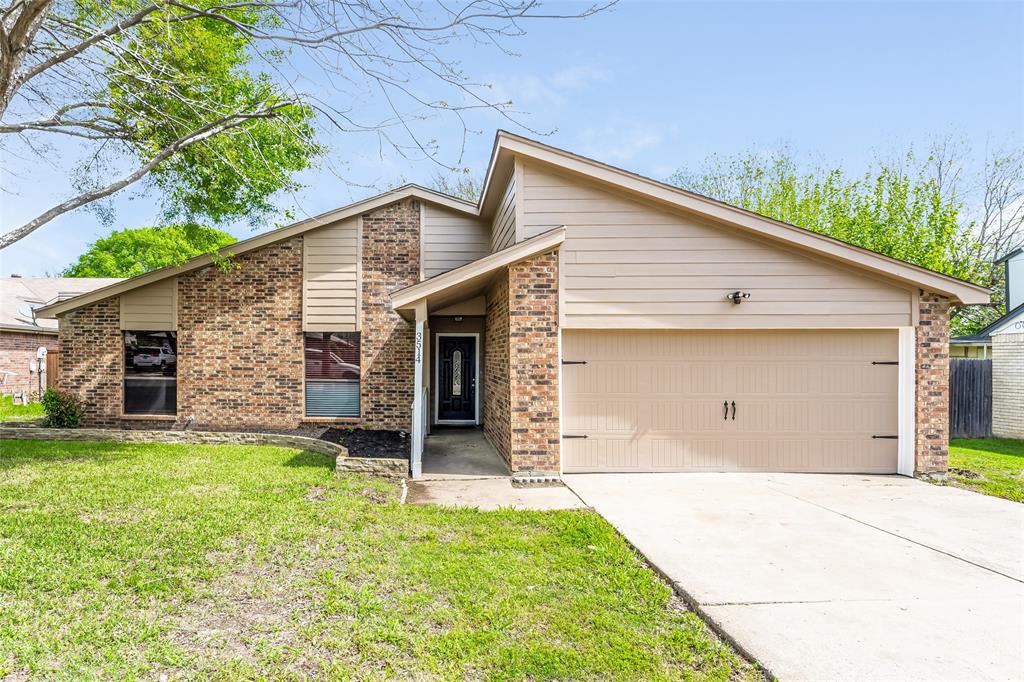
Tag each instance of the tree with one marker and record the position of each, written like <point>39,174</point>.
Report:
<point>203,98</point>
<point>461,185</point>
<point>907,207</point>
<point>127,253</point>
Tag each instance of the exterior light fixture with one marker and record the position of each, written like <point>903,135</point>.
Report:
<point>738,296</point>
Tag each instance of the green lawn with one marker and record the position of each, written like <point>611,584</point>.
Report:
<point>10,412</point>
<point>227,562</point>
<point>994,466</point>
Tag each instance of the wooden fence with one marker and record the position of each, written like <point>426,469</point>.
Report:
<point>970,398</point>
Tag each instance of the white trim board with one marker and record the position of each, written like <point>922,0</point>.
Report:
<point>476,380</point>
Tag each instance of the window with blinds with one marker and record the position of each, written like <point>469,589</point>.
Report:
<point>332,374</point>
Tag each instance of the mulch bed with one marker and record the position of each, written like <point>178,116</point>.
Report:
<point>360,442</point>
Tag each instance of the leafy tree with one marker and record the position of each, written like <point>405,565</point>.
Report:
<point>462,185</point>
<point>127,253</point>
<point>909,208</point>
<point>202,99</point>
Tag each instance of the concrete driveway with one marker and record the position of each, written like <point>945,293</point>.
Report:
<point>836,576</point>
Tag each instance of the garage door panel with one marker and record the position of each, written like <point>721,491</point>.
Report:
<point>805,400</point>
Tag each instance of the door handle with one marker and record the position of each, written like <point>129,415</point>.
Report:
<point>725,406</point>
<point>734,410</point>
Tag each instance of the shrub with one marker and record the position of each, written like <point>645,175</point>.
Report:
<point>63,409</point>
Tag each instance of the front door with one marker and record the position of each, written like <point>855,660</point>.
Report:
<point>456,379</point>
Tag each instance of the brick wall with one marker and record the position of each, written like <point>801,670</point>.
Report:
<point>390,260</point>
<point>533,364</point>
<point>932,386</point>
<point>240,343</point>
<point>1008,385</point>
<point>17,350</point>
<point>91,352</point>
<point>496,400</point>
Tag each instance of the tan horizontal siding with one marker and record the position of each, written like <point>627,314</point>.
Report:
<point>330,277</point>
<point>631,265</point>
<point>151,308</point>
<point>451,239</point>
<point>503,229</point>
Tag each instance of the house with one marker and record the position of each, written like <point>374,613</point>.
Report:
<point>22,333</point>
<point>588,318</point>
<point>1003,341</point>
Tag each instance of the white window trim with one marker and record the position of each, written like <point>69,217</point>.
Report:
<point>476,378</point>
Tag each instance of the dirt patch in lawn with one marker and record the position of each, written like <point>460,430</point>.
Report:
<point>964,473</point>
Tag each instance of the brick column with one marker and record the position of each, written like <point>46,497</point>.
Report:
<point>91,353</point>
<point>390,260</point>
<point>533,365</point>
<point>496,399</point>
<point>931,452</point>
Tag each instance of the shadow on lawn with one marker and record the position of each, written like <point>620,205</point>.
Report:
<point>308,458</point>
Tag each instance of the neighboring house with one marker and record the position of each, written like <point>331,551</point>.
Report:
<point>589,318</point>
<point>1003,341</point>
<point>22,333</point>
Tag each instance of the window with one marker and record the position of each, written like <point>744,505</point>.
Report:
<point>150,372</point>
<point>332,374</point>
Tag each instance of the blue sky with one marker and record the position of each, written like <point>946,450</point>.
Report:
<point>652,86</point>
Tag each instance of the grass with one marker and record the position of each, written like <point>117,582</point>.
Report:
<point>10,412</point>
<point>993,466</point>
<point>127,561</point>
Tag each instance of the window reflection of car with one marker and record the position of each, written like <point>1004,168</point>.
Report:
<point>152,356</point>
<point>330,365</point>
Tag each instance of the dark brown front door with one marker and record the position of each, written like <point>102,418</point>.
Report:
<point>456,379</point>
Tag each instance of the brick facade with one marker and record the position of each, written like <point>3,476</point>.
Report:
<point>496,399</point>
<point>91,353</point>
<point>17,351</point>
<point>931,452</point>
<point>390,261</point>
<point>1008,385</point>
<point>240,343</point>
<point>533,365</point>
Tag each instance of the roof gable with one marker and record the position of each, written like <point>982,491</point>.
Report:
<point>508,145</point>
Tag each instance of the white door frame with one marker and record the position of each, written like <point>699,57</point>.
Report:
<point>477,388</point>
<point>907,402</point>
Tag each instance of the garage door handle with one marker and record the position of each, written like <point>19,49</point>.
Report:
<point>734,410</point>
<point>725,406</point>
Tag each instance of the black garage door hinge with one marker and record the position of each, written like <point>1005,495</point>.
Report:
<point>574,362</point>
<point>571,436</point>
<point>888,437</point>
<point>885,362</point>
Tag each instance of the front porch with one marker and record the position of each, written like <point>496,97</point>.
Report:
<point>486,356</point>
<point>452,453</point>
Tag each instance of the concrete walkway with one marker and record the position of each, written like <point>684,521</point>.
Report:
<point>832,576</point>
<point>461,469</point>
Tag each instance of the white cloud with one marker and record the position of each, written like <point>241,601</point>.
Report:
<point>619,144</point>
<point>551,90</point>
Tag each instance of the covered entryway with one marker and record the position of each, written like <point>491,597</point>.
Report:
<point>730,400</point>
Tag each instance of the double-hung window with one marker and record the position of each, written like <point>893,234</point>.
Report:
<point>332,374</point>
<point>150,372</point>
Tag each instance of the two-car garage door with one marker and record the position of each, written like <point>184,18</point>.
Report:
<point>718,400</point>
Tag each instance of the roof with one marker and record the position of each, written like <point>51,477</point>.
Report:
<point>1010,255</point>
<point>985,334</point>
<point>19,296</point>
<point>507,147</point>
<point>261,240</point>
<point>470,279</point>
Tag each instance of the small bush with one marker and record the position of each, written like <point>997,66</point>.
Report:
<point>63,409</point>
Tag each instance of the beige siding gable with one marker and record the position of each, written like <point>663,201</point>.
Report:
<point>451,239</point>
<point>153,307</point>
<point>630,265</point>
<point>330,277</point>
<point>503,229</point>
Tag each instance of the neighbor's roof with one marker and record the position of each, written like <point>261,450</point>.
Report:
<point>508,146</point>
<point>985,334</point>
<point>19,296</point>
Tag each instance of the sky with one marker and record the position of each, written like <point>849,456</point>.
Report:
<point>652,87</point>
